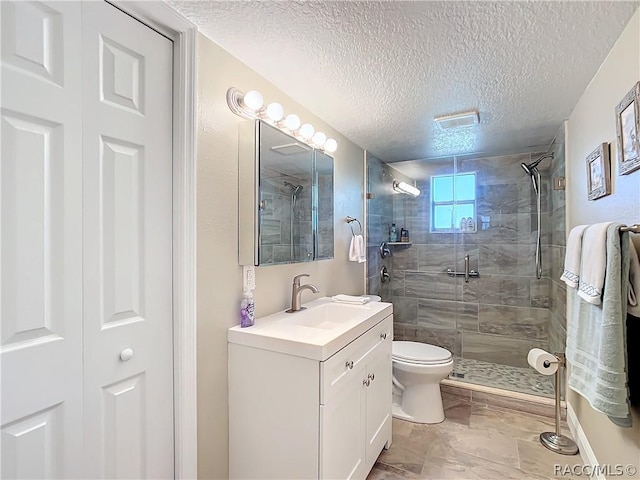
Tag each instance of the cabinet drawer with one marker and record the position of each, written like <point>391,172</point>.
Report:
<point>346,363</point>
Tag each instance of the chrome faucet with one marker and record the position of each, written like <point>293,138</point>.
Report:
<point>296,291</point>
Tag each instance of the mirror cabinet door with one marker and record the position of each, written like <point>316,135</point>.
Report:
<point>323,221</point>
<point>286,180</point>
<point>285,198</point>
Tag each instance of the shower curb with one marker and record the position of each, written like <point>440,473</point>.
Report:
<point>498,397</point>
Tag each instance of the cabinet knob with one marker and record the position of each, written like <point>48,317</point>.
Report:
<point>349,365</point>
<point>383,336</point>
<point>126,354</point>
<point>371,376</point>
<point>366,382</point>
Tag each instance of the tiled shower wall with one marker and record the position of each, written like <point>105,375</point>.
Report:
<point>497,317</point>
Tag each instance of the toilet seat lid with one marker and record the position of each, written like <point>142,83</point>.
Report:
<point>422,353</point>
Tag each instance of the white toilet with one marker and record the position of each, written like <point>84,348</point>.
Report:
<point>418,369</point>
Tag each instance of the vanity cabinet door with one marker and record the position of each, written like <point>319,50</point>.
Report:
<point>342,432</point>
<point>378,400</point>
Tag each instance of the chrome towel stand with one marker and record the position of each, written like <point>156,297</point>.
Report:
<point>350,220</point>
<point>555,441</point>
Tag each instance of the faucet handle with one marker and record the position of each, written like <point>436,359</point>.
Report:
<point>296,279</point>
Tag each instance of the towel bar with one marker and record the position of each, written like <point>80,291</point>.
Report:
<point>631,228</point>
<point>351,220</point>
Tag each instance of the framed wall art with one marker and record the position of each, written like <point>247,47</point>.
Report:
<point>598,172</point>
<point>628,126</point>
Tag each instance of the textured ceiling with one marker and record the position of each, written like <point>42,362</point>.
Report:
<point>380,71</point>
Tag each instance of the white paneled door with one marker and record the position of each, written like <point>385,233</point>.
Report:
<point>86,263</point>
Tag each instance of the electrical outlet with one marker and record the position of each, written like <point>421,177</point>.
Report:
<point>249,277</point>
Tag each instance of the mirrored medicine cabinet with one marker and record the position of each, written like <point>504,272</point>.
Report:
<point>285,198</point>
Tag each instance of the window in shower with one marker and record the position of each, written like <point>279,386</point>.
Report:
<point>453,198</point>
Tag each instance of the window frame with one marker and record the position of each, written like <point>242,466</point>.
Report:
<point>453,203</point>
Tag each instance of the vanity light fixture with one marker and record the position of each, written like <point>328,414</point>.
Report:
<point>250,105</point>
<point>404,187</point>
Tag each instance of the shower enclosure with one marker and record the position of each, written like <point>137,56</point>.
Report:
<point>478,212</point>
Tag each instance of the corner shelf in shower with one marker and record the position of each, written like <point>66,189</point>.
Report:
<point>398,243</point>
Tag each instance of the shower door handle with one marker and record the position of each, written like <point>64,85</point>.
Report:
<point>466,269</point>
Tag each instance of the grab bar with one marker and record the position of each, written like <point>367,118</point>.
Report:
<point>471,274</point>
<point>467,272</point>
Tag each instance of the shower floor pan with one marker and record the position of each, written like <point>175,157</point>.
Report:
<point>516,379</point>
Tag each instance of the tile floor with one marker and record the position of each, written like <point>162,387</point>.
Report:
<point>475,441</point>
<point>517,379</point>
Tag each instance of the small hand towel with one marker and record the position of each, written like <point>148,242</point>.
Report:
<point>357,252</point>
<point>341,298</point>
<point>571,273</point>
<point>634,281</point>
<point>593,262</point>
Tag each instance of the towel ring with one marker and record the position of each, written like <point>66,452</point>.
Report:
<point>350,220</point>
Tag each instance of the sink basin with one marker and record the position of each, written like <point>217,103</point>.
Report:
<point>326,316</point>
<point>317,332</point>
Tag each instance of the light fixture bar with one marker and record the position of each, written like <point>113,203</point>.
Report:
<point>250,106</point>
<point>404,187</point>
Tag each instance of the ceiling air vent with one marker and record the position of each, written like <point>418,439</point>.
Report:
<point>456,120</point>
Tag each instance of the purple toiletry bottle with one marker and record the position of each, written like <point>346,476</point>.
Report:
<point>247,308</point>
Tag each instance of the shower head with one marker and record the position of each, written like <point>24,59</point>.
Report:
<point>530,168</point>
<point>295,189</point>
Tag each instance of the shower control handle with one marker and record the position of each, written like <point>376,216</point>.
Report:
<point>384,275</point>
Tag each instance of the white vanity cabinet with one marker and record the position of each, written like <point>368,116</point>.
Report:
<point>292,417</point>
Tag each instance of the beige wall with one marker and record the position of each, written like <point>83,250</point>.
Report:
<point>219,276</point>
<point>591,123</point>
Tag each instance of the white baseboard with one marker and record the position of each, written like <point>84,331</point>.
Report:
<point>586,452</point>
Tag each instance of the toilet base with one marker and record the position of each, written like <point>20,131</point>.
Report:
<point>420,404</point>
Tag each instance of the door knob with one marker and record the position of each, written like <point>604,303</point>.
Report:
<point>126,354</point>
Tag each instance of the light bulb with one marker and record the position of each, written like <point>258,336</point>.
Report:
<point>306,131</point>
<point>292,122</point>
<point>319,138</point>
<point>330,145</point>
<point>253,100</point>
<point>275,111</point>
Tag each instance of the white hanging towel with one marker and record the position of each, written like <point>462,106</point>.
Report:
<point>357,252</point>
<point>571,273</point>
<point>593,263</point>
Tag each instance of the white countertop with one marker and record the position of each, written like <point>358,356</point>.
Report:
<point>287,332</point>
